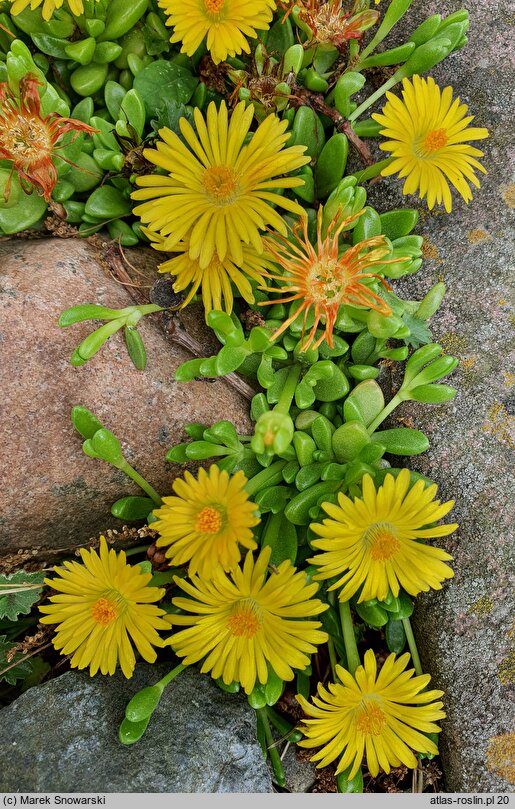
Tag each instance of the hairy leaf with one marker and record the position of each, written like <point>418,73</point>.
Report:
<point>18,672</point>
<point>18,593</point>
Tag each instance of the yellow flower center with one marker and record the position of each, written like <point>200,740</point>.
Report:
<point>221,184</point>
<point>435,140</point>
<point>104,611</point>
<point>325,281</point>
<point>370,719</point>
<point>26,140</point>
<point>214,6</point>
<point>269,438</point>
<point>244,621</point>
<point>209,520</point>
<point>382,540</point>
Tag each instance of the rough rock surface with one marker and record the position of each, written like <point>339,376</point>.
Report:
<point>466,631</point>
<point>199,739</point>
<point>300,774</point>
<point>53,496</point>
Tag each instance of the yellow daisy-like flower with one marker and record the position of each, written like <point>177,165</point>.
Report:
<point>102,605</point>
<point>226,23</point>
<point>374,541</point>
<point>214,280</point>
<point>323,278</point>
<point>383,716</point>
<point>245,623</point>
<point>428,133</point>
<point>219,193</point>
<point>207,521</point>
<point>49,6</point>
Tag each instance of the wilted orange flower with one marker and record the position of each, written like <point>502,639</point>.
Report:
<point>322,279</point>
<point>28,139</point>
<point>328,23</point>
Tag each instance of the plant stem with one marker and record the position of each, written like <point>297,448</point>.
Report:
<point>372,171</point>
<point>349,638</point>
<point>317,103</point>
<point>275,758</point>
<point>288,392</point>
<point>177,334</point>
<point>375,96</point>
<point>136,549</point>
<point>26,657</point>
<point>142,483</point>
<point>170,676</point>
<point>330,643</point>
<point>332,658</point>
<point>410,637</point>
<point>385,412</point>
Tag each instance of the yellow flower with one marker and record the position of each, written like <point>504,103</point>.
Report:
<point>225,22</point>
<point>374,541</point>
<point>384,716</point>
<point>218,193</point>
<point>102,605</point>
<point>427,132</point>
<point>243,624</point>
<point>207,521</point>
<point>49,6</point>
<point>322,278</point>
<point>214,280</point>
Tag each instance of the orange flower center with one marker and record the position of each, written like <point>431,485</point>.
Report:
<point>221,184</point>
<point>383,542</point>
<point>27,140</point>
<point>244,621</point>
<point>104,611</point>
<point>209,520</point>
<point>435,140</point>
<point>214,6</point>
<point>370,719</point>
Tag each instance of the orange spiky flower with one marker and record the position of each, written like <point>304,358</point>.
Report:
<point>28,139</point>
<point>322,279</point>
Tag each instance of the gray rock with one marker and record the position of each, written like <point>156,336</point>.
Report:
<point>300,774</point>
<point>63,738</point>
<point>465,631</point>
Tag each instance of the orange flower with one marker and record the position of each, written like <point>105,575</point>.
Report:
<point>327,22</point>
<point>28,139</point>
<point>322,279</point>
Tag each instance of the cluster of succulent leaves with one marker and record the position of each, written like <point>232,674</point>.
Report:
<point>324,410</point>
<point>317,431</point>
<point>115,69</point>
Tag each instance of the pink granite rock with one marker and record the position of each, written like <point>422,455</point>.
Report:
<point>51,495</point>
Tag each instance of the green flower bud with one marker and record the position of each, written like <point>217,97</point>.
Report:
<point>273,433</point>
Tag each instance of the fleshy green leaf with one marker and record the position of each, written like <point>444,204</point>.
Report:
<point>85,422</point>
<point>163,79</point>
